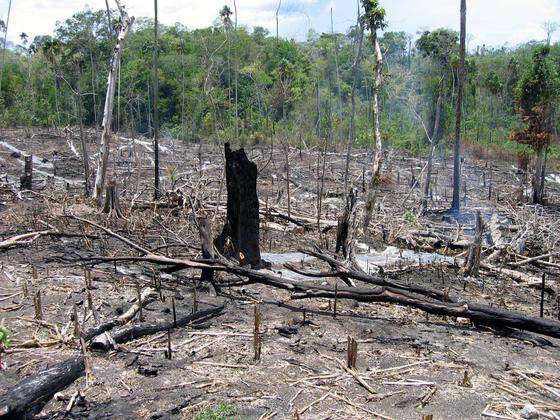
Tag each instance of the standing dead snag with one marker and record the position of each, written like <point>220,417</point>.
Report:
<point>374,18</point>
<point>126,24</point>
<point>472,264</point>
<point>26,180</point>
<point>240,236</point>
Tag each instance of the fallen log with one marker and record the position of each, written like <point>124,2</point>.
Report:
<point>30,395</point>
<point>145,298</point>
<point>340,270</point>
<point>481,314</point>
<point>25,239</point>
<point>105,343</point>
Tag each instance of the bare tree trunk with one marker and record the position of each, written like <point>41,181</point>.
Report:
<point>456,204</point>
<point>85,156</point>
<point>433,141</point>
<point>538,176</point>
<point>26,180</point>
<point>472,265</point>
<point>109,97</point>
<point>377,159</point>
<point>156,109</point>
<point>355,65</point>
<point>112,203</point>
<point>235,76</point>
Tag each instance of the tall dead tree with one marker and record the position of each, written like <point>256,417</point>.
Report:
<point>433,143</point>
<point>240,236</point>
<point>374,19</point>
<point>156,109</point>
<point>126,24</point>
<point>456,204</point>
<point>358,38</point>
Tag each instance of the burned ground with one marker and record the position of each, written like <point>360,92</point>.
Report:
<point>409,364</point>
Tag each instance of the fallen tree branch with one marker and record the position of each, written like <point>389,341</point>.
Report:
<point>480,314</point>
<point>114,235</point>
<point>340,270</point>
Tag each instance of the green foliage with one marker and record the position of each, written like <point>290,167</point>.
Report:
<point>410,218</point>
<point>440,45</point>
<point>4,337</point>
<point>374,16</point>
<point>540,83</point>
<point>280,82</point>
<point>220,412</point>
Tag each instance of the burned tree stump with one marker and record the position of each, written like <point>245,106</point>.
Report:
<point>112,204</point>
<point>205,231</point>
<point>345,230</point>
<point>26,180</point>
<point>240,236</point>
<point>472,264</point>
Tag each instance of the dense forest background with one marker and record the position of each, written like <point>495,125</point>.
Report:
<point>229,83</point>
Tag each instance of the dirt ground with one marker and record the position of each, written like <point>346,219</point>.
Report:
<point>409,364</point>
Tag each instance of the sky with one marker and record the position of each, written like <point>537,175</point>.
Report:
<point>490,22</point>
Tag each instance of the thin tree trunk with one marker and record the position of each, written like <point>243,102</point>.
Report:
<point>377,159</point>
<point>236,70</point>
<point>538,176</point>
<point>85,156</point>
<point>4,45</point>
<point>277,12</point>
<point>156,109</point>
<point>108,110</point>
<point>456,204</point>
<point>93,88</point>
<point>355,65</point>
<point>433,141</point>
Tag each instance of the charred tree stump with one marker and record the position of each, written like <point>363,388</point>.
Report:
<point>205,231</point>
<point>112,204</point>
<point>472,265</point>
<point>26,180</point>
<point>345,231</point>
<point>240,236</point>
<point>30,395</point>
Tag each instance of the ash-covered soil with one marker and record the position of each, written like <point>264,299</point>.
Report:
<point>408,364</point>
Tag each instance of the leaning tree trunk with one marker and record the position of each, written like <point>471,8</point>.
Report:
<point>240,236</point>
<point>126,23</point>
<point>377,159</point>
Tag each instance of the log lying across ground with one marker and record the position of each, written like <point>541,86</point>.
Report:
<point>30,395</point>
<point>132,332</point>
<point>480,314</point>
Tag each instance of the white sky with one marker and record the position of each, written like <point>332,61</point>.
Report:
<point>490,22</point>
